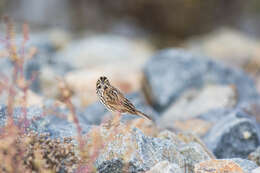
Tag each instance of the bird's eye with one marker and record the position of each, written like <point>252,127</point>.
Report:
<point>98,87</point>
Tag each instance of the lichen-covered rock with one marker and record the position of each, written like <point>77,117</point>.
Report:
<point>114,165</point>
<point>171,72</point>
<point>138,152</point>
<point>235,135</point>
<point>225,165</point>
<point>193,154</point>
<point>190,138</point>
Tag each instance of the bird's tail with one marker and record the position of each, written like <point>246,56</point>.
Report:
<point>144,115</point>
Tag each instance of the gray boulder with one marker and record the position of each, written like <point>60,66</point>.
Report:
<point>171,72</point>
<point>144,152</point>
<point>235,135</point>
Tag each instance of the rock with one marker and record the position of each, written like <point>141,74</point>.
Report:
<point>149,128</point>
<point>83,82</point>
<point>113,165</point>
<point>32,113</point>
<point>137,152</point>
<point>213,116</point>
<point>190,138</point>
<point>32,99</point>
<point>228,165</point>
<point>46,43</point>
<point>247,55</point>
<point>201,128</point>
<point>255,156</point>
<point>96,112</point>
<point>166,134</point>
<point>246,165</point>
<point>165,167</point>
<point>194,103</point>
<point>193,154</point>
<point>84,72</point>
<point>212,45</point>
<point>48,82</point>
<point>171,72</point>
<point>94,50</point>
<point>39,120</point>
<point>181,139</point>
<point>257,170</point>
<point>252,108</point>
<point>140,152</point>
<point>235,135</point>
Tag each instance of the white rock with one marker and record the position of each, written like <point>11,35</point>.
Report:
<point>194,103</point>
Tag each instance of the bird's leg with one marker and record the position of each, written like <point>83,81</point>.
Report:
<point>108,120</point>
<point>116,119</point>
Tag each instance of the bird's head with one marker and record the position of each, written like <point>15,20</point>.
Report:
<point>102,84</point>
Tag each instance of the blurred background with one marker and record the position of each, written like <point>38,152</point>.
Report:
<point>80,40</point>
<point>165,20</point>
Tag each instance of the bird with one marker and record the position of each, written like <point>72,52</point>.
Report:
<point>114,100</point>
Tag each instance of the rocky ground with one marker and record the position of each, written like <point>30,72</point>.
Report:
<point>204,99</point>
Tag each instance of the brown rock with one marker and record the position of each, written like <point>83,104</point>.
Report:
<point>218,166</point>
<point>147,127</point>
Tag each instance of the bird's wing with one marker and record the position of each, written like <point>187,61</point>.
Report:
<point>112,98</point>
<point>128,106</point>
<point>117,100</point>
